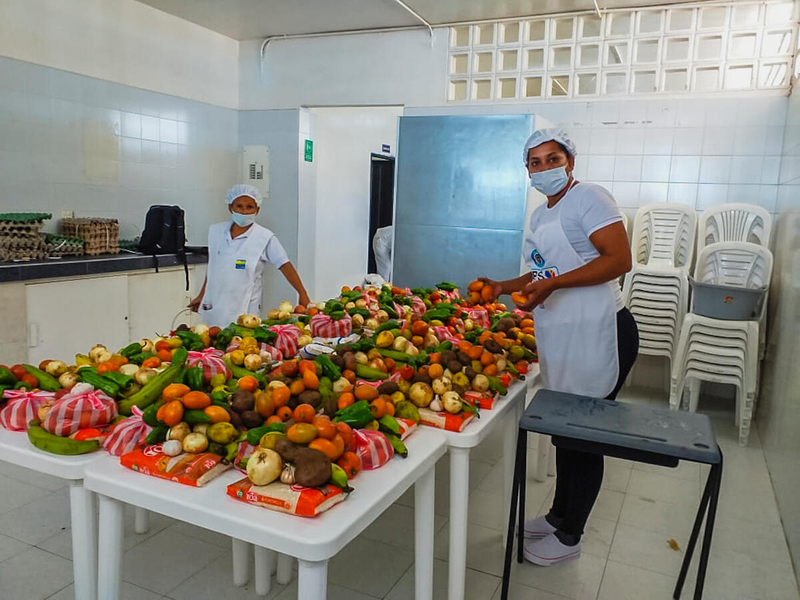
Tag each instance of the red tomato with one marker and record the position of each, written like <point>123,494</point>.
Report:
<point>19,371</point>
<point>30,380</point>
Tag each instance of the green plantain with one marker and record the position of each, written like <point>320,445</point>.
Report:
<point>44,440</point>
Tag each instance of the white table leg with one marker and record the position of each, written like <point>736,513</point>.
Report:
<point>142,520</point>
<point>542,458</point>
<point>265,559</point>
<point>241,562</point>
<point>284,574</point>
<point>109,568</point>
<point>423,535</point>
<point>459,502</point>
<point>312,579</point>
<point>84,540</point>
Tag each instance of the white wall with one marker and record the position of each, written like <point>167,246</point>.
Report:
<point>344,139</point>
<point>126,42</point>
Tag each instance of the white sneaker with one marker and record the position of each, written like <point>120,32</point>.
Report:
<point>550,551</point>
<point>537,528</point>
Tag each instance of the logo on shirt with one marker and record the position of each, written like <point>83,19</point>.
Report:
<point>241,263</point>
<point>548,273</point>
<point>537,258</point>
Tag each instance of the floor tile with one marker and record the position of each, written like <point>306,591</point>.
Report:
<point>661,487</point>
<point>369,567</point>
<point>750,503</point>
<point>34,574</point>
<point>206,535</point>
<point>335,592</point>
<point>608,505</point>
<point>10,547</point>
<point>761,542</point>
<point>144,564</point>
<point>671,520</point>
<point>46,482</point>
<point>479,586</point>
<point>625,582</point>
<point>485,549</point>
<point>395,526</point>
<point>129,592</point>
<point>216,581</point>
<point>684,470</point>
<point>578,579</point>
<point>735,575</point>
<point>616,478</point>
<point>14,493</point>
<point>518,591</point>
<point>647,550</point>
<point>39,519</point>
<point>487,509</point>
<point>598,536</point>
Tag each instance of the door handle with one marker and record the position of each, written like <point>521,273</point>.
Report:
<point>33,335</point>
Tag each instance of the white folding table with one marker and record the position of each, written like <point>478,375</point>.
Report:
<point>508,411</point>
<point>312,540</point>
<point>17,449</point>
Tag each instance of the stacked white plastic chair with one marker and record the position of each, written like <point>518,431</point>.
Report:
<point>738,222</point>
<point>657,289</point>
<point>719,338</point>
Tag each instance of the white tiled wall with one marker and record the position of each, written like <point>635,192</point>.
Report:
<point>69,142</point>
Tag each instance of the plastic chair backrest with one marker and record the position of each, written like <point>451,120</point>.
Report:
<point>664,234</point>
<point>738,264</point>
<point>735,222</point>
<point>625,220</point>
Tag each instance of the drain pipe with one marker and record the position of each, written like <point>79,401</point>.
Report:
<point>418,17</point>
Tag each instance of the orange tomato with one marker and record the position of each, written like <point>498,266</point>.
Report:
<point>526,323</point>
<point>304,413</point>
<point>522,366</point>
<point>435,358</point>
<point>118,359</point>
<point>302,433</point>
<point>528,330</point>
<point>378,407</point>
<point>248,383</point>
<point>490,369</point>
<point>338,441</point>
<point>349,375</point>
<point>307,365</point>
<point>417,340</point>
<point>487,293</point>
<point>475,352</point>
<point>346,399</point>
<point>325,427</point>
<point>390,364</point>
<point>171,413</point>
<point>419,328</point>
<point>106,367</point>
<point>519,298</point>
<point>151,363</point>
<point>344,430</point>
<point>351,463</point>
<point>196,400</point>
<point>499,337</point>
<point>366,392</point>
<point>164,355</point>
<point>475,286</point>
<point>464,346</point>
<point>289,368</point>
<point>162,345</point>
<point>327,447</point>
<point>297,387</point>
<point>285,413</point>
<point>435,371</point>
<point>310,380</point>
<point>175,391</point>
<point>390,408</point>
<point>313,311</point>
<point>280,396</point>
<point>217,414</point>
<point>487,358</point>
<point>273,419</point>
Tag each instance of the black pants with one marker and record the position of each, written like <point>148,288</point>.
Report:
<point>579,475</point>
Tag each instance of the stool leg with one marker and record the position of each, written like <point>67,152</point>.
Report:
<point>522,456</point>
<point>512,514</point>
<point>716,473</point>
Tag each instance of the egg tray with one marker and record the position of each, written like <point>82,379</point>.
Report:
<point>100,236</point>
<point>59,245</point>
<point>25,217</point>
<point>23,248</point>
<point>16,229</point>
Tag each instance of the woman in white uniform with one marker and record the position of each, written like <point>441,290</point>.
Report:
<point>576,248</point>
<point>237,252</point>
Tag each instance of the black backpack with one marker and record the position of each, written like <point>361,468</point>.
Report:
<point>165,233</point>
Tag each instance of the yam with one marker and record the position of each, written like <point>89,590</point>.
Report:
<point>242,400</point>
<point>387,388</point>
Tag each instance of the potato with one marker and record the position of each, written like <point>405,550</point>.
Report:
<point>311,397</point>
<point>337,360</point>
<point>236,421</point>
<point>505,324</point>
<point>455,366</point>
<point>492,346</point>
<point>242,400</point>
<point>422,378</point>
<point>251,419</point>
<point>387,388</point>
<point>349,361</point>
<point>463,359</point>
<point>448,356</point>
<point>312,467</point>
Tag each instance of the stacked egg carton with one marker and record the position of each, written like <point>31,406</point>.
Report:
<point>100,236</point>
<point>21,237</point>
<point>60,245</point>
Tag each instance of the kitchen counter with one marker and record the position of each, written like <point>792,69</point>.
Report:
<point>77,266</point>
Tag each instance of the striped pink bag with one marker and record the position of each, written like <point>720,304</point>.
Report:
<point>443,334</point>
<point>372,448</point>
<point>287,340</point>
<point>323,326</point>
<point>22,408</point>
<point>212,362</point>
<point>128,435</point>
<point>79,411</point>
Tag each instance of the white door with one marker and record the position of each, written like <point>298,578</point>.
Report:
<point>157,302</point>
<point>69,317</point>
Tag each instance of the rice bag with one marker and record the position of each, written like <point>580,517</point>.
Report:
<point>292,499</point>
<point>189,469</point>
<point>445,420</point>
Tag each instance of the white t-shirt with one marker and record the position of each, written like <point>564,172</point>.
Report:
<point>584,209</point>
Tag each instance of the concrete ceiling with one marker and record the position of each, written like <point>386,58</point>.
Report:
<point>250,19</point>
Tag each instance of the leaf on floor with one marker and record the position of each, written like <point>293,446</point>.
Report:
<point>673,545</point>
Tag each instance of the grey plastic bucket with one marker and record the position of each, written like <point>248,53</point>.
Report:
<point>726,301</point>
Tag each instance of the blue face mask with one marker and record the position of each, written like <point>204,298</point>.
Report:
<point>243,220</point>
<point>550,182</point>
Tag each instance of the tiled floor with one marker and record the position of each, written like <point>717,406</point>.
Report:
<point>625,550</point>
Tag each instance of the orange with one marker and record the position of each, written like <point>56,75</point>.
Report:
<point>486,358</point>
<point>344,430</point>
<point>419,328</point>
<point>307,365</point>
<point>165,355</point>
<point>351,463</point>
<point>435,357</point>
<point>487,293</point>
<point>285,413</point>
<point>528,330</point>
<point>151,363</point>
<point>345,400</point>
<point>418,340</point>
<point>175,391</point>
<point>273,419</point>
<point>171,413</point>
<point>217,414</point>
<point>302,433</point>
<point>106,367</point>
<point>280,396</point>
<point>310,380</point>
<point>196,400</point>
<point>313,311</point>
<point>390,408</point>
<point>378,407</point>
<point>475,286</point>
<point>464,346</point>
<point>500,307</point>
<point>519,298</point>
<point>327,447</point>
<point>349,375</point>
<point>338,441</point>
<point>325,427</point>
<point>499,337</point>
<point>435,371</point>
<point>490,369</point>
<point>248,383</point>
<point>297,387</point>
<point>475,352</point>
<point>366,392</point>
<point>526,323</point>
<point>346,289</point>
<point>304,413</point>
<point>474,298</point>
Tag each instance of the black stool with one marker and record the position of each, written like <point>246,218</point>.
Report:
<point>628,431</point>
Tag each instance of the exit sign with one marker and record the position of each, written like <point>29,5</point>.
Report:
<point>309,153</point>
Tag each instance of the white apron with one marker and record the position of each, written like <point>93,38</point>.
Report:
<point>234,281</point>
<point>576,328</point>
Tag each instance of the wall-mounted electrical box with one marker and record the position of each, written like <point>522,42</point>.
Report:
<point>255,167</point>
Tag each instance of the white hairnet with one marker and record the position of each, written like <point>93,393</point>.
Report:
<point>243,190</point>
<point>549,134</point>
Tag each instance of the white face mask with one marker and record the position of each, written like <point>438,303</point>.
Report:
<point>243,220</point>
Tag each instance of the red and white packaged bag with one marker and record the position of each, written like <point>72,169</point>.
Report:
<point>189,469</point>
<point>480,317</point>
<point>401,310</point>
<point>270,352</point>
<point>128,435</point>
<point>81,408</point>
<point>484,401</point>
<point>449,296</point>
<point>376,384</point>
<point>443,334</point>
<point>287,340</point>
<point>373,305</point>
<point>21,408</point>
<point>212,362</point>
<point>323,326</point>
<point>406,427</point>
<point>372,448</point>
<point>445,420</point>
<point>292,499</point>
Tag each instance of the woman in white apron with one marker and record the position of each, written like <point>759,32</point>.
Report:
<point>237,252</point>
<point>576,248</point>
